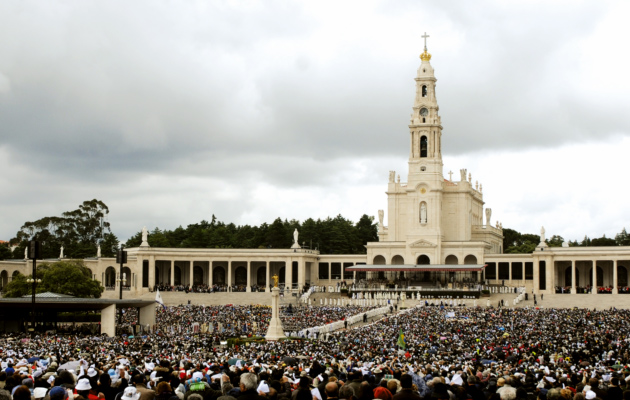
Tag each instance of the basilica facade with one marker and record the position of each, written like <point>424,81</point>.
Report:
<point>439,231</point>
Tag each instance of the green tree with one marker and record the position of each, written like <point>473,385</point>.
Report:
<point>5,251</point>
<point>555,241</point>
<point>18,287</point>
<point>78,231</point>
<point>603,241</point>
<point>69,277</point>
<point>366,231</point>
<point>277,235</point>
<point>515,242</point>
<point>109,245</point>
<point>622,238</point>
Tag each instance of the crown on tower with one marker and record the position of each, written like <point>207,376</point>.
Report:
<point>425,56</point>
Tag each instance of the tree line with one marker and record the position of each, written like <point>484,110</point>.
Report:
<point>330,236</point>
<point>80,231</point>
<point>516,242</point>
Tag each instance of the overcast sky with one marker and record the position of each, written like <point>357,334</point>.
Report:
<point>170,112</point>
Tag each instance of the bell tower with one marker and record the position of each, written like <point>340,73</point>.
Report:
<point>425,128</point>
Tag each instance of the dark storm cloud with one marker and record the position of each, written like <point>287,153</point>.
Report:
<point>99,98</point>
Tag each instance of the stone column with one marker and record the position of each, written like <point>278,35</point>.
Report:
<point>615,291</point>
<point>249,277</point>
<point>510,273</point>
<point>210,283</point>
<point>172,281</point>
<point>190,276</point>
<point>267,268</point>
<point>536,283</point>
<point>275,331</point>
<point>108,320</point>
<point>229,275</point>
<point>573,283</point>
<point>151,271</point>
<point>301,274</point>
<point>594,288</point>
<point>329,272</point>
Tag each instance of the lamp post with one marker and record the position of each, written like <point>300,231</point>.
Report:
<point>34,253</point>
<point>121,258</point>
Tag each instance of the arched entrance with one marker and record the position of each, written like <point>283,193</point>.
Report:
<point>178,275</point>
<point>423,260</point>
<point>379,260</point>
<point>622,276</point>
<point>470,260</point>
<point>110,277</point>
<point>197,275</point>
<point>240,276</point>
<point>281,277</point>
<point>451,260</point>
<point>218,276</point>
<point>4,279</point>
<point>127,275</point>
<point>398,260</point>
<point>261,276</point>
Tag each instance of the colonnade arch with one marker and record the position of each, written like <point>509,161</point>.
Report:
<point>110,277</point>
<point>398,260</point>
<point>470,260</point>
<point>4,278</point>
<point>379,260</point>
<point>451,260</point>
<point>423,260</point>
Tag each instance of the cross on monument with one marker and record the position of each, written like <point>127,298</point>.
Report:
<point>450,176</point>
<point>425,36</point>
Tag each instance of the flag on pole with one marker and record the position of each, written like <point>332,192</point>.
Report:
<point>401,340</point>
<point>158,299</point>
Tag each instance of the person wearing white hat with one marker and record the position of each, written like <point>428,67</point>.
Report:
<point>130,393</point>
<point>83,386</point>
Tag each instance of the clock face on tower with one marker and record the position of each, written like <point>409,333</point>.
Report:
<point>424,112</point>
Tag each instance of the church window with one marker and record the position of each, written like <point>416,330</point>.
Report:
<point>423,213</point>
<point>423,260</point>
<point>423,146</point>
<point>424,120</point>
<point>424,90</point>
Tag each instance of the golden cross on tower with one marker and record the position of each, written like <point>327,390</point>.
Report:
<point>425,36</point>
<point>425,56</point>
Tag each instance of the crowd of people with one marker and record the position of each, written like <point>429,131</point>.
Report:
<point>216,288</point>
<point>439,353</point>
<point>222,322</point>
<point>588,289</point>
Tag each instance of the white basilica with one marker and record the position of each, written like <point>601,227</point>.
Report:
<point>439,235</point>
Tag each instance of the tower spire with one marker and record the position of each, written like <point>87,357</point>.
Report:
<point>425,56</point>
